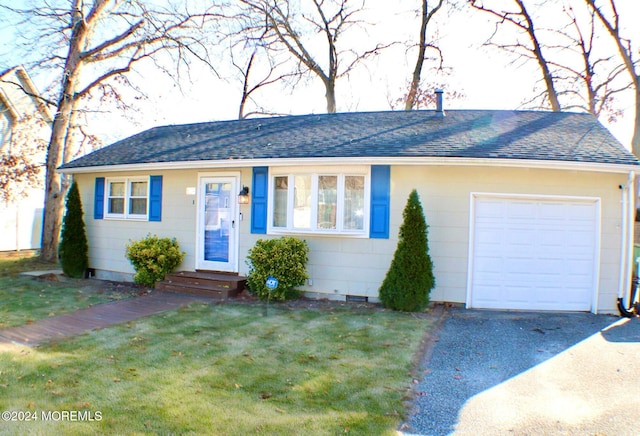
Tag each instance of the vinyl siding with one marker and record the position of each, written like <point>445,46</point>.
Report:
<point>340,266</point>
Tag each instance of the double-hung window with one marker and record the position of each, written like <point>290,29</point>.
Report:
<point>127,198</point>
<point>321,201</point>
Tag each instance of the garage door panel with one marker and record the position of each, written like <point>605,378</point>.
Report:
<point>534,254</point>
<point>489,236</point>
<point>519,236</point>
<point>491,211</point>
<point>489,266</point>
<point>548,210</point>
<point>519,210</point>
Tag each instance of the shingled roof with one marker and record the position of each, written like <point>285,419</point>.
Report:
<point>533,135</point>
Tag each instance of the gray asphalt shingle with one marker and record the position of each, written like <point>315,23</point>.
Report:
<point>536,135</point>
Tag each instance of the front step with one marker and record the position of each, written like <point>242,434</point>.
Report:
<point>212,284</point>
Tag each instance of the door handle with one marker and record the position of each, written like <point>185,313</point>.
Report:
<point>233,224</point>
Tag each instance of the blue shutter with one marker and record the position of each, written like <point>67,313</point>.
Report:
<point>98,199</point>
<point>155,198</point>
<point>259,200</point>
<point>380,201</point>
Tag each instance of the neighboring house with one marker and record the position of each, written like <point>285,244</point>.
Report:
<point>526,210</point>
<point>21,220</point>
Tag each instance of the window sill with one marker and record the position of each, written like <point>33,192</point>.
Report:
<point>123,218</point>
<point>326,233</point>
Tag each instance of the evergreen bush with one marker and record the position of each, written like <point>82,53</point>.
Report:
<point>410,279</point>
<point>74,248</point>
<point>283,258</point>
<point>153,258</point>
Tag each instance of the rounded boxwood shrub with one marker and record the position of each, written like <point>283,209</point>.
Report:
<point>283,258</point>
<point>153,258</point>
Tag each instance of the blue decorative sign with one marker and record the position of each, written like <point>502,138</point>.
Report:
<point>272,283</point>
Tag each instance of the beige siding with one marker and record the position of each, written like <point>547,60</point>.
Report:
<point>445,193</point>
<point>342,266</point>
<point>108,238</point>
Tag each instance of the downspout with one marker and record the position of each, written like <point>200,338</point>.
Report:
<point>626,250</point>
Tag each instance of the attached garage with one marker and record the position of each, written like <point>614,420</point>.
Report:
<point>533,253</point>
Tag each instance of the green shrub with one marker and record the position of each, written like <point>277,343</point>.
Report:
<point>74,248</point>
<point>410,277</point>
<point>283,258</point>
<point>153,258</point>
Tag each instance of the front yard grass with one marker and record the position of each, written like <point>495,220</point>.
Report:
<point>222,369</point>
<point>14,262</point>
<point>24,300</point>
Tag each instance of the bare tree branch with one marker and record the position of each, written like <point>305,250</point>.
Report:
<point>611,23</point>
<point>300,32</point>
<point>521,18</point>
<point>94,43</point>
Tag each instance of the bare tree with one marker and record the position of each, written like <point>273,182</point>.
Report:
<point>311,34</point>
<point>427,14</point>
<point>530,47</point>
<point>610,19</point>
<point>262,61</point>
<point>91,45</point>
<point>256,61</point>
<point>592,82</point>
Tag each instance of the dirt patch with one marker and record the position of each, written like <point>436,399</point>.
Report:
<point>95,285</point>
<point>305,303</point>
<point>327,304</point>
<point>244,297</point>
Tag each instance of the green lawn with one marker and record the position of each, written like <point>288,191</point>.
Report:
<point>24,299</point>
<point>220,369</point>
<point>14,262</point>
<point>223,369</point>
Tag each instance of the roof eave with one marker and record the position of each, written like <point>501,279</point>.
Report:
<point>412,161</point>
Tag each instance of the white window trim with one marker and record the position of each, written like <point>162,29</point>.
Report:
<point>127,195</point>
<point>314,172</point>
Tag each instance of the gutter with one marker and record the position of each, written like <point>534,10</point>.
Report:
<point>632,308</point>
<point>341,161</point>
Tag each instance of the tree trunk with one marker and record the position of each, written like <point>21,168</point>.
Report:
<point>548,80</point>
<point>417,71</point>
<point>627,56</point>
<point>331,97</point>
<point>542,62</point>
<point>54,187</point>
<point>410,101</point>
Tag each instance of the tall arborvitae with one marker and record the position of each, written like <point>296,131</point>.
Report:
<point>410,277</point>
<point>74,248</point>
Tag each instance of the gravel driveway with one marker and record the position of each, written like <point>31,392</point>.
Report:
<point>492,373</point>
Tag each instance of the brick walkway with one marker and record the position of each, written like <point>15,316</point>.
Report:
<point>95,317</point>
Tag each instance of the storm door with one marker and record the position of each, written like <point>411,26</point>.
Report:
<point>217,224</point>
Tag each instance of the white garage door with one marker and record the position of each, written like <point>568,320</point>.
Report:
<point>534,254</point>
